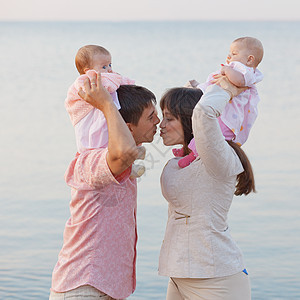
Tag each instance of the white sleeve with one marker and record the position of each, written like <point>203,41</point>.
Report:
<point>248,73</point>
<point>217,155</point>
<point>259,76</point>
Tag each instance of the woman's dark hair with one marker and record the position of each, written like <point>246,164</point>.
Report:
<point>245,183</point>
<point>133,100</point>
<point>180,102</point>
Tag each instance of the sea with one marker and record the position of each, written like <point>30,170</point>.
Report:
<point>37,144</point>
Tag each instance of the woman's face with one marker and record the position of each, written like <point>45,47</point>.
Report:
<point>171,129</point>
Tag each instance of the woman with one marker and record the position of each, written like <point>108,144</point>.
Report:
<point>198,252</point>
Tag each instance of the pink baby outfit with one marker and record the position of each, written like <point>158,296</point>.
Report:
<point>89,123</point>
<point>240,113</point>
<point>100,237</point>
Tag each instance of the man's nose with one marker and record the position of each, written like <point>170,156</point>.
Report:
<point>157,120</point>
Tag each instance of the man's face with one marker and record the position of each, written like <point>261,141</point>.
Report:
<point>145,130</point>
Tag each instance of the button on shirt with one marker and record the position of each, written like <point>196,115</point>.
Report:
<point>100,236</point>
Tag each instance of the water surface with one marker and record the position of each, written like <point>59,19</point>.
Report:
<point>37,143</point>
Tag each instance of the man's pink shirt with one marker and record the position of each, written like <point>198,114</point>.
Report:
<point>100,236</point>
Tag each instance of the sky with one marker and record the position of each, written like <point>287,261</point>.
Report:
<point>149,10</point>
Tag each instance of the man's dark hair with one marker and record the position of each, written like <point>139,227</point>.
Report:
<point>133,100</point>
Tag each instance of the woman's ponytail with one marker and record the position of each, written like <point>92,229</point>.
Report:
<point>245,180</point>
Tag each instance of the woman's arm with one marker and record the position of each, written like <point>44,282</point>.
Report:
<point>218,157</point>
<point>122,149</point>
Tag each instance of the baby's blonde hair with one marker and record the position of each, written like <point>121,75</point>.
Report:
<point>254,46</point>
<point>85,54</point>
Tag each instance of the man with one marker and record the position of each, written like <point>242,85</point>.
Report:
<point>99,252</point>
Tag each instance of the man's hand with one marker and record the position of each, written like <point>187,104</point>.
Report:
<point>95,93</point>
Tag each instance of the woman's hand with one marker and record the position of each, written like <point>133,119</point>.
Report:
<point>95,93</point>
<point>226,85</point>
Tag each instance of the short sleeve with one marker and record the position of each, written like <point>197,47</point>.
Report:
<point>259,76</point>
<point>248,73</point>
<point>91,168</point>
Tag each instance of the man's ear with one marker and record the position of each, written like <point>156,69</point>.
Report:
<point>250,60</point>
<point>130,127</point>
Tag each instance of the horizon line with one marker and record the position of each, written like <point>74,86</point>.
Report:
<point>148,20</point>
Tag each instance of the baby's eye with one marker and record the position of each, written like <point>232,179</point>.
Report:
<point>104,67</point>
<point>109,65</point>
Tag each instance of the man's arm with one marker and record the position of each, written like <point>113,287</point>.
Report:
<point>122,149</point>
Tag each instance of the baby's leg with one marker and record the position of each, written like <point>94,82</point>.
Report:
<point>138,170</point>
<point>141,152</point>
<point>192,84</point>
<point>187,160</point>
<point>178,152</point>
<point>226,131</point>
<point>192,146</point>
